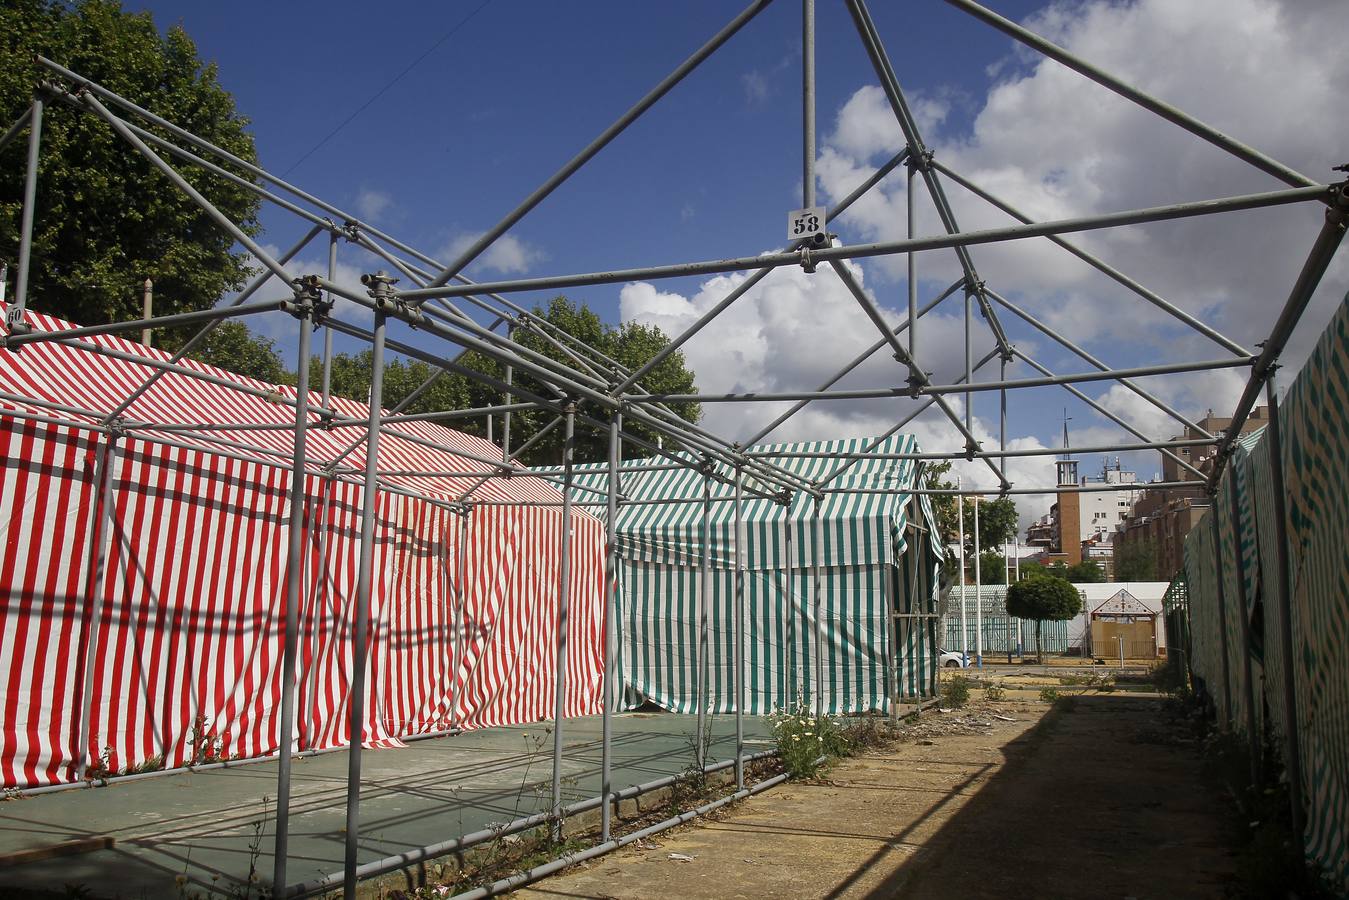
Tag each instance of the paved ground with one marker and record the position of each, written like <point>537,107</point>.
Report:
<point>1101,802</point>
<point>203,824</point>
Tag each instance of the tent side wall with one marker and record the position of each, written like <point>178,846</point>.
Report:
<point>184,631</point>
<point>870,564</point>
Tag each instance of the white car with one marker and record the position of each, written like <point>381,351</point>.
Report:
<point>950,659</point>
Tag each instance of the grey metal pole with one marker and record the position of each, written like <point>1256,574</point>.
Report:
<point>765,263</point>
<point>599,143</point>
<point>182,184</point>
<point>460,633</point>
<point>817,534</point>
<point>969,359</point>
<point>1100,266</point>
<point>704,601</point>
<point>1100,408</point>
<point>14,317</point>
<point>328,332</point>
<point>506,420</point>
<point>105,463</point>
<point>1309,277</point>
<point>808,103</point>
<point>299,499</point>
<point>1225,722</point>
<point>913,265</point>
<point>610,622</point>
<point>1166,111</point>
<point>738,654</point>
<point>18,125</point>
<point>978,593</point>
<point>364,578</point>
<point>563,620</point>
<point>1293,739</point>
<point>848,369</point>
<point>1092,360</point>
<point>789,676</point>
<point>964,601</point>
<point>1002,418</point>
<point>1247,673</point>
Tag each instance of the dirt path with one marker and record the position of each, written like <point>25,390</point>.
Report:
<point>1094,802</point>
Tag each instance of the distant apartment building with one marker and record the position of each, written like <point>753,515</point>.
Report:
<point>1160,519</point>
<point>1082,523</point>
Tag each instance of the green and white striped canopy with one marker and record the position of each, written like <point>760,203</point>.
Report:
<point>861,547</point>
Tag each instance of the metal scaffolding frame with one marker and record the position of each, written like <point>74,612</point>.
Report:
<point>430,303</point>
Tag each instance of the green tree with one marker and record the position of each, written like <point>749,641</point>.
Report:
<point>945,506</point>
<point>1136,561</point>
<point>230,345</point>
<point>105,218</point>
<point>997,523</point>
<point>630,344</point>
<point>1088,571</point>
<point>1043,599</point>
<point>992,567</point>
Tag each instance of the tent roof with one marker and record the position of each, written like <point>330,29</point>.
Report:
<point>74,374</point>
<point>860,529</point>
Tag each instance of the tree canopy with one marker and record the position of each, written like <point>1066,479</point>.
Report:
<point>1136,561</point>
<point>1043,598</point>
<point>105,218</point>
<point>1088,571</point>
<point>997,523</point>
<point>630,344</point>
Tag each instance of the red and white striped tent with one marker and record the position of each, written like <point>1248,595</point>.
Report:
<point>179,631</point>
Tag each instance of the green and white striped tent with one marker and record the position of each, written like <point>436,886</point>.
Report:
<point>877,554</point>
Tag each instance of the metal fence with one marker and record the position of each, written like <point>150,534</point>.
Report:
<point>1000,632</point>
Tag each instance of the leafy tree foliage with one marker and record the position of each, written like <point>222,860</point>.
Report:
<point>630,344</point>
<point>997,523</point>
<point>1088,571</point>
<point>1043,598</point>
<point>992,567</point>
<point>106,220</point>
<point>1136,561</point>
<point>230,345</point>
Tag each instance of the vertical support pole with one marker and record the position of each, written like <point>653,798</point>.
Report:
<point>506,419</point>
<point>978,594</point>
<point>563,620</point>
<point>1248,675</point>
<point>817,540</point>
<point>147,309</point>
<point>964,601</point>
<point>969,361</point>
<point>789,671</point>
<point>364,577</point>
<point>459,680</point>
<point>1293,751</point>
<point>1002,420</point>
<point>913,267</point>
<point>808,103</point>
<point>610,621</point>
<point>294,586</point>
<point>1225,722</point>
<point>14,318</point>
<point>892,648</point>
<point>704,601</point>
<point>105,461</point>
<point>490,439</point>
<point>739,652</point>
<point>328,332</point>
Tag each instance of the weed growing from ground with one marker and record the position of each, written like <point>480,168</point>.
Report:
<point>994,692</point>
<point>955,692</point>
<point>805,742</point>
<point>1049,694</point>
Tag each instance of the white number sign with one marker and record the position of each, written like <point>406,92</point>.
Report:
<point>805,223</point>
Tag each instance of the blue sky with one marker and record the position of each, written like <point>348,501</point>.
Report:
<point>501,103</point>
